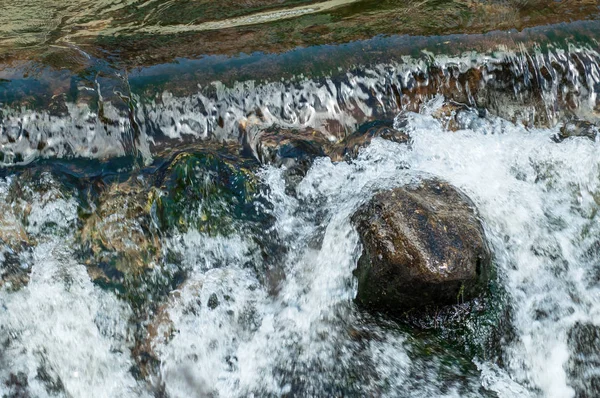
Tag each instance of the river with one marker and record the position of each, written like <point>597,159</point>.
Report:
<point>148,250</point>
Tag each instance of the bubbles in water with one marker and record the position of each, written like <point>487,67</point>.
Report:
<point>229,330</point>
<point>61,335</point>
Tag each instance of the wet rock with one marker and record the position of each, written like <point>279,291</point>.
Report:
<point>205,190</point>
<point>159,329</point>
<point>294,150</point>
<point>42,207</point>
<point>423,246</point>
<point>297,149</point>
<point>456,116</point>
<point>121,233</point>
<point>577,128</point>
<point>584,340</point>
<point>14,267</point>
<point>449,114</point>
<point>349,147</point>
<point>213,301</point>
<point>16,386</point>
<point>290,148</point>
<point>12,222</point>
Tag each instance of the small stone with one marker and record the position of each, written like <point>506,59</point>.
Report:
<point>213,301</point>
<point>577,128</point>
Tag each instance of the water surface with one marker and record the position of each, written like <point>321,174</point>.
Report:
<point>145,249</point>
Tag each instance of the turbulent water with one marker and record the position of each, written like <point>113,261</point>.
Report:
<point>225,332</point>
<point>533,86</point>
<point>93,302</point>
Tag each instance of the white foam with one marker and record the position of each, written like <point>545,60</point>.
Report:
<point>229,335</point>
<point>65,335</point>
<point>536,198</point>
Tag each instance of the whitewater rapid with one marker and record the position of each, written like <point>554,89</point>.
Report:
<point>225,332</point>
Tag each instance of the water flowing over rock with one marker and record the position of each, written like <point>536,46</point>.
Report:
<point>423,245</point>
<point>351,145</point>
<point>294,198</point>
<point>121,231</point>
<point>533,86</point>
<point>577,128</point>
<point>204,190</point>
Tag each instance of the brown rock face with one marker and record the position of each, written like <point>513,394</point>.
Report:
<point>423,246</point>
<point>120,231</point>
<point>577,128</point>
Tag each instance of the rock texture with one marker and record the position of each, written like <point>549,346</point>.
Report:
<point>577,128</point>
<point>423,246</point>
<point>120,232</point>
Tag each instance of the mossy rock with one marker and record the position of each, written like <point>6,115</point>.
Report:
<point>206,191</point>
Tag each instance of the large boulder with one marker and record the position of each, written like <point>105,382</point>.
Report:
<point>423,245</point>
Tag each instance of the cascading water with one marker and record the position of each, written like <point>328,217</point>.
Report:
<point>266,309</point>
<point>226,334</point>
<point>532,86</point>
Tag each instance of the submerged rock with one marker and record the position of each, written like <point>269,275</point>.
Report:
<point>577,128</point>
<point>350,146</point>
<point>206,191</point>
<point>296,149</point>
<point>34,207</point>
<point>456,116</point>
<point>423,246</point>
<point>13,210</point>
<point>449,115</point>
<point>121,232</point>
<point>283,147</point>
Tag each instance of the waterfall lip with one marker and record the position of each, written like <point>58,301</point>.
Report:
<point>536,86</point>
<point>180,73</point>
<point>65,43</point>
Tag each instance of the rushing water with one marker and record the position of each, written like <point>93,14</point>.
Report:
<point>142,256</point>
<point>226,332</point>
<point>111,120</point>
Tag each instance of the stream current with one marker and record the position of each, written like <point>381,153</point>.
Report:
<point>226,330</point>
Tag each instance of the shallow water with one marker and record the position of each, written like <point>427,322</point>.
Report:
<point>147,250</point>
<point>225,332</point>
<point>87,25</point>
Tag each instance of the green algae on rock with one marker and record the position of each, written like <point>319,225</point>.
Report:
<point>204,190</point>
